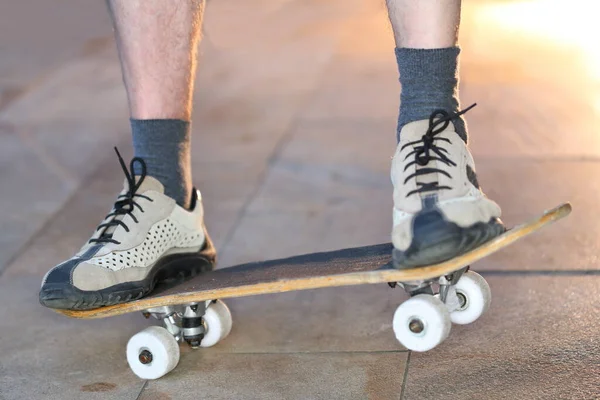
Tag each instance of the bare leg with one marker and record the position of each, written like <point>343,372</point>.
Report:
<point>155,230</point>
<point>425,24</point>
<point>157,42</point>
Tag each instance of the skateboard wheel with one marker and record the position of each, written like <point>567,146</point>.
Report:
<point>217,318</point>
<point>475,296</point>
<point>421,323</point>
<point>152,353</point>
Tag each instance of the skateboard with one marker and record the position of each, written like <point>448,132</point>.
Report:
<point>194,311</point>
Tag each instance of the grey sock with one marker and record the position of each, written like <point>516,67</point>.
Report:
<point>429,80</point>
<point>164,145</point>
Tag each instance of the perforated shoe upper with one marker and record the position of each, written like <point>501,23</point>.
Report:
<point>155,227</point>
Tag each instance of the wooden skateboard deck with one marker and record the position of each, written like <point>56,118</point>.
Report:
<point>354,266</point>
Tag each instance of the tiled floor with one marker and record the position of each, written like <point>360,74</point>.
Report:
<point>294,130</point>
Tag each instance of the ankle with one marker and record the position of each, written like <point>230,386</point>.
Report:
<point>164,145</point>
<point>429,81</point>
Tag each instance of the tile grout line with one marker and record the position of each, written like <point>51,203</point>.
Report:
<point>279,146</point>
<point>37,81</point>
<point>534,272</point>
<point>405,379</point>
<point>551,158</point>
<point>142,390</point>
<point>51,218</point>
<point>308,352</point>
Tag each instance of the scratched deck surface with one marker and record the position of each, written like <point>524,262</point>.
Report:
<point>352,266</point>
<point>336,262</point>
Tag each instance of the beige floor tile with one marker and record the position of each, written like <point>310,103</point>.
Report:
<point>539,340</point>
<point>283,376</point>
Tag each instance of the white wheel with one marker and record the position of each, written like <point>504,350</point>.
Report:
<point>474,295</point>
<point>152,353</point>
<point>217,320</point>
<point>421,323</point>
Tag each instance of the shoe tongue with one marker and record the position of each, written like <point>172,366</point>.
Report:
<point>415,130</point>
<point>149,183</point>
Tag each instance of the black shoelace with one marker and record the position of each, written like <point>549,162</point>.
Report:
<point>426,150</point>
<point>125,203</point>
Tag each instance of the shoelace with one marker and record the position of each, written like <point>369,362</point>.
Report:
<point>438,122</point>
<point>125,203</point>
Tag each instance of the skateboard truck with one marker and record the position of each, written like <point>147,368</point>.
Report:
<point>154,351</point>
<point>193,325</point>
<point>184,322</point>
<point>447,281</point>
<point>447,294</point>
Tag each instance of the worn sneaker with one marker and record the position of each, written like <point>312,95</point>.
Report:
<point>146,239</point>
<point>439,211</point>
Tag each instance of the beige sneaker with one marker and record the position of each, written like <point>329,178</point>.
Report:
<point>439,211</point>
<point>146,239</point>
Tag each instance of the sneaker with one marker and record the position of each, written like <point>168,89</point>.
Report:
<point>146,239</point>
<point>439,211</point>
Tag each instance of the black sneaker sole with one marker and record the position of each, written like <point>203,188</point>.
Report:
<point>435,239</point>
<point>168,271</point>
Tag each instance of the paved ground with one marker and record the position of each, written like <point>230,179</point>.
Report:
<point>294,121</point>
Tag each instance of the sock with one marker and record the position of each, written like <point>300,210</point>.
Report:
<point>429,80</point>
<point>164,145</point>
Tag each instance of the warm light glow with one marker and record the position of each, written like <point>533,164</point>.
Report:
<point>573,23</point>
